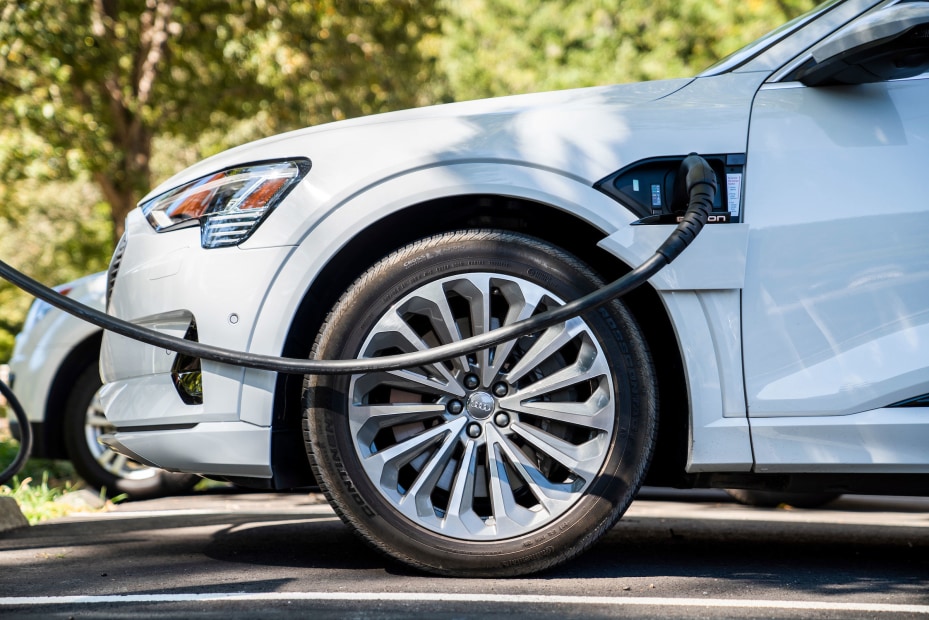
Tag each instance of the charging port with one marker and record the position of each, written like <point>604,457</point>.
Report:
<point>651,189</point>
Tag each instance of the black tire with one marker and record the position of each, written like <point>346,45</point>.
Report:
<point>772,499</point>
<point>99,466</point>
<point>494,525</point>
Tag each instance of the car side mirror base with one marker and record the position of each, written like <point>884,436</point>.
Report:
<point>890,44</point>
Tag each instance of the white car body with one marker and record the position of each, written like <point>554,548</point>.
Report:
<point>53,373</point>
<point>799,328</point>
<point>39,366</point>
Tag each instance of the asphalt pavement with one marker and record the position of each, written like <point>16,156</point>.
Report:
<point>673,555</point>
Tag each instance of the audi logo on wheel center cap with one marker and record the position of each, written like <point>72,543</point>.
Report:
<point>480,405</point>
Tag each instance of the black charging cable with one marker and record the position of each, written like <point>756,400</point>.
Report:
<point>701,187</point>
<point>23,434</point>
<point>701,190</point>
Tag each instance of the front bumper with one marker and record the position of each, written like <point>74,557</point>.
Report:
<point>218,449</point>
<point>164,282</point>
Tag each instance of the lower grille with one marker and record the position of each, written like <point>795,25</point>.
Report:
<point>186,372</point>
<point>113,269</point>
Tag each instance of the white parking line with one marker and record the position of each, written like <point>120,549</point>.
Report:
<point>429,597</point>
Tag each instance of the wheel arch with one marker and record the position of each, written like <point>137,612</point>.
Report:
<point>491,211</point>
<point>85,352</point>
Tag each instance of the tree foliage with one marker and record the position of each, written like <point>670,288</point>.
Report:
<point>59,232</point>
<point>91,89</point>
<point>100,79</point>
<point>498,47</point>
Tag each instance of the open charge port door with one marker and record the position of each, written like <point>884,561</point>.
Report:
<point>652,189</point>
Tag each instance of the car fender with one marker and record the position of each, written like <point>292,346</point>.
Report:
<point>712,343</point>
<point>332,232</point>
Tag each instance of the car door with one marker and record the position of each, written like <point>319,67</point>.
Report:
<point>836,298</point>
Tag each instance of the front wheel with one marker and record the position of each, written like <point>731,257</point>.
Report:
<point>502,462</point>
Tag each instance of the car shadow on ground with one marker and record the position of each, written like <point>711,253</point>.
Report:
<point>229,536</point>
<point>826,557</point>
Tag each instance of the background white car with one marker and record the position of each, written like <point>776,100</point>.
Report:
<point>785,350</point>
<point>54,373</point>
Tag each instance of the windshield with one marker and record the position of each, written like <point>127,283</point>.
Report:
<point>754,48</point>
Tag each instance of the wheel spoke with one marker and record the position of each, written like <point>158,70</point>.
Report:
<point>367,420</point>
<point>595,413</point>
<point>390,413</point>
<point>509,516</point>
<point>112,461</point>
<point>450,385</point>
<point>551,496</point>
<point>97,420</point>
<point>546,345</point>
<point>480,313</point>
<point>395,331</point>
<point>432,471</point>
<point>462,493</point>
<point>522,304</point>
<point>589,366</point>
<point>579,459</point>
<point>405,381</point>
<point>384,465</point>
<point>501,497</point>
<point>431,301</point>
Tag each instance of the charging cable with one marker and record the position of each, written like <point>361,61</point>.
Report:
<point>701,190</point>
<point>700,181</point>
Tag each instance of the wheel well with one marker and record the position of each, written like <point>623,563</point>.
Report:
<point>84,353</point>
<point>491,212</point>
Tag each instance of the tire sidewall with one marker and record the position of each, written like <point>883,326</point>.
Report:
<point>361,503</point>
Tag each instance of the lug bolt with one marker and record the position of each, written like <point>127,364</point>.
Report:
<point>501,388</point>
<point>454,407</point>
<point>501,419</point>
<point>472,382</point>
<point>473,430</point>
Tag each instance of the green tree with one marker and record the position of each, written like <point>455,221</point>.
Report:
<point>498,47</point>
<point>56,231</point>
<point>99,98</point>
<point>98,80</point>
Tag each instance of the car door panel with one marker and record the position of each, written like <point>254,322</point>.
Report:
<point>836,301</point>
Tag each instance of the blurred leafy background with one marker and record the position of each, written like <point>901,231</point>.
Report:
<point>101,99</point>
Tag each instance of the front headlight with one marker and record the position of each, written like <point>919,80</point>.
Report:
<point>229,204</point>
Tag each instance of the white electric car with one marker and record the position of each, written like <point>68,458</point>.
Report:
<point>54,374</point>
<point>784,350</point>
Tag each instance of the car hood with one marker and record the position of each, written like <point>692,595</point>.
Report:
<point>549,129</point>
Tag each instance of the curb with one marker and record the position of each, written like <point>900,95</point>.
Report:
<point>11,517</point>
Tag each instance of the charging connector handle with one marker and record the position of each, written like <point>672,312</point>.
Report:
<point>700,181</point>
<point>701,188</point>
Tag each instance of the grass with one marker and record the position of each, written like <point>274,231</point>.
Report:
<point>41,501</point>
<point>41,485</point>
